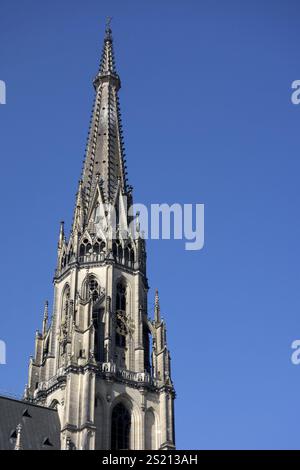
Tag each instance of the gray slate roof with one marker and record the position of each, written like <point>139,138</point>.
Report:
<point>40,425</point>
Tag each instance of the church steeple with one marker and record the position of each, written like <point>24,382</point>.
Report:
<point>95,360</point>
<point>105,157</point>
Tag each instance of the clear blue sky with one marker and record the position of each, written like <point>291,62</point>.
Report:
<point>207,118</point>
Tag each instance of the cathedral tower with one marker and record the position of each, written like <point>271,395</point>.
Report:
<point>100,360</point>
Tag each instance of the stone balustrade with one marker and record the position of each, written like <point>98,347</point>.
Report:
<point>106,368</point>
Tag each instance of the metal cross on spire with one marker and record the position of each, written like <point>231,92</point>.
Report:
<point>108,27</point>
<point>108,21</point>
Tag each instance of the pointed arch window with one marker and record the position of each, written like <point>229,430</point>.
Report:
<point>82,251</point>
<point>85,249</point>
<point>121,328</point>
<point>99,246</point>
<point>96,248</point>
<point>120,428</point>
<point>70,254</point>
<point>64,261</point>
<point>129,256</point>
<point>121,297</point>
<point>121,332</point>
<point>66,301</point>
<point>118,251</point>
<point>115,250</point>
<point>92,289</point>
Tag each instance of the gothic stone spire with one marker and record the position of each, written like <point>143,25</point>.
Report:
<point>104,160</point>
<point>93,360</point>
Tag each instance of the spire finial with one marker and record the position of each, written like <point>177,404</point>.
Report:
<point>46,316</point>
<point>61,235</point>
<point>46,309</point>
<point>18,445</point>
<point>157,307</point>
<point>108,30</point>
<point>108,21</point>
<point>62,229</point>
<point>107,65</point>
